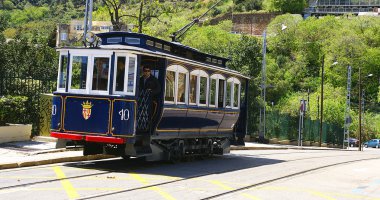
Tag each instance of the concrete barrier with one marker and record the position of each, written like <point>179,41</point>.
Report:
<point>15,133</point>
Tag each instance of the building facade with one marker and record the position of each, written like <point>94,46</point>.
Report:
<point>69,34</point>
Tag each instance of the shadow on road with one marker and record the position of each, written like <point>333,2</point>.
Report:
<point>213,165</point>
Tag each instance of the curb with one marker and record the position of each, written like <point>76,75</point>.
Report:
<point>54,161</point>
<point>281,148</point>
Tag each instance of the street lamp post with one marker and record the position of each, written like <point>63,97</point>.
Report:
<point>321,118</point>
<point>360,107</point>
<point>360,110</point>
<point>322,83</point>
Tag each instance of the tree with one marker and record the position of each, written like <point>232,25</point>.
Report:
<point>285,6</point>
<point>144,11</point>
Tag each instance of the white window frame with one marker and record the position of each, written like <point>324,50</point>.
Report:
<point>200,73</point>
<point>126,72</point>
<point>100,55</point>
<point>90,65</point>
<point>62,53</point>
<point>179,69</point>
<point>233,81</point>
<point>79,91</point>
<point>218,77</point>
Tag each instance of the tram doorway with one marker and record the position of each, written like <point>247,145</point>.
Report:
<point>150,95</point>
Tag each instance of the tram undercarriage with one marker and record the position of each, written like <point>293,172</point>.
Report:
<point>172,150</point>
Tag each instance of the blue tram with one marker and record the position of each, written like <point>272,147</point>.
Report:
<point>200,110</point>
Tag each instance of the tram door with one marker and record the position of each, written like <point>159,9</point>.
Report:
<point>150,93</point>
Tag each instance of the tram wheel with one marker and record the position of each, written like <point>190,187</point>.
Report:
<point>126,157</point>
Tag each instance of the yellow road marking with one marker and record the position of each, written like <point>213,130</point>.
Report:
<point>320,194</point>
<point>154,188</point>
<point>226,187</point>
<point>70,190</point>
<point>220,184</point>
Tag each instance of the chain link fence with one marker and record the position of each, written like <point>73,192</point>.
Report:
<point>285,127</point>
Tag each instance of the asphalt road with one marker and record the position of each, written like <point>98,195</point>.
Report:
<point>265,174</point>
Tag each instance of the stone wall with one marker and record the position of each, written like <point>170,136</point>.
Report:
<point>248,23</point>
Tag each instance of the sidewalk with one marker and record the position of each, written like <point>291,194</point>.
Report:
<point>42,151</point>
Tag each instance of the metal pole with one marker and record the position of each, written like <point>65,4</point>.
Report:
<point>263,86</point>
<point>321,119</point>
<point>360,110</point>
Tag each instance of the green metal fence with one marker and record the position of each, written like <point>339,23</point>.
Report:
<point>285,127</point>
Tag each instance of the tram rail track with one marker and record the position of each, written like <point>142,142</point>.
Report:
<point>182,179</point>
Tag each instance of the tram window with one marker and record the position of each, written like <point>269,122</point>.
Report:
<point>221,93</point>
<point>212,92</point>
<point>203,90</point>
<point>181,87</point>
<point>170,80</point>
<point>130,40</point>
<point>150,42</point>
<point>79,72</point>
<point>166,48</point>
<point>193,89</point>
<point>100,74</point>
<point>236,95</point>
<point>120,72</point>
<point>228,96</point>
<point>114,40</point>
<point>62,72</point>
<point>131,74</point>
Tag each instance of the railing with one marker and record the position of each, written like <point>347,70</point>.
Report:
<point>15,84</point>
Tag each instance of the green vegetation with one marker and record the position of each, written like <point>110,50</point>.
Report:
<point>12,109</point>
<point>294,54</point>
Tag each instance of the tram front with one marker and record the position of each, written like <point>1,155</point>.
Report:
<point>96,101</point>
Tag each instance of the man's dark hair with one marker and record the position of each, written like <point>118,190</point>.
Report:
<point>146,67</point>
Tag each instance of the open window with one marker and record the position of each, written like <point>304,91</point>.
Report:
<point>89,72</point>
<point>217,90</point>
<point>62,72</point>
<point>199,84</point>
<point>125,74</point>
<point>233,93</point>
<point>176,85</point>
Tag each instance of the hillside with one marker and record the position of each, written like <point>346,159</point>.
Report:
<point>295,54</point>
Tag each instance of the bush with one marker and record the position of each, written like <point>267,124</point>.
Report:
<point>12,109</point>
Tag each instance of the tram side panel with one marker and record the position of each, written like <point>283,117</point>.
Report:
<point>94,116</point>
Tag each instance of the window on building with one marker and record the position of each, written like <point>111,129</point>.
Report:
<point>228,94</point>
<point>131,74</point>
<point>100,73</point>
<point>63,36</point>
<point>233,92</point>
<point>199,87</point>
<point>181,88</point>
<point>221,89</point>
<point>78,27</point>
<point>203,90</point>
<point>212,91</point>
<point>180,76</point>
<point>193,89</point>
<point>217,90</point>
<point>62,72</point>
<point>120,73</point>
<point>125,73</point>
<point>79,72</point>
<point>236,95</point>
<point>170,86</point>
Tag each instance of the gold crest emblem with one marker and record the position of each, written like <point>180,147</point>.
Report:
<point>86,111</point>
